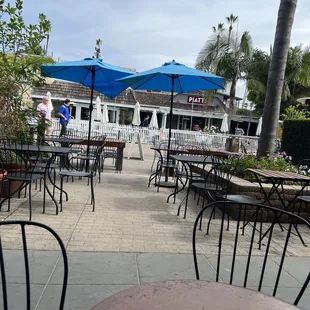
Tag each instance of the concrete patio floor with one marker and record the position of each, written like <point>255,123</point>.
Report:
<point>133,237</point>
<point>93,276</point>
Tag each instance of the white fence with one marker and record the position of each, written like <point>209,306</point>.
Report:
<point>150,136</point>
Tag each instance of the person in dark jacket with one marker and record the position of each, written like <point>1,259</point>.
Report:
<point>145,122</point>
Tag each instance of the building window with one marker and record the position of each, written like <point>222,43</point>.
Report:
<point>73,111</point>
<point>84,114</point>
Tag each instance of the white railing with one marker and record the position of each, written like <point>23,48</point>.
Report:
<point>147,135</point>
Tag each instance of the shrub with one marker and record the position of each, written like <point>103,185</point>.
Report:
<point>278,162</point>
<point>295,139</point>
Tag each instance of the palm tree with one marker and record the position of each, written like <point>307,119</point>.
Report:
<point>226,55</point>
<point>296,80</point>
<point>297,71</point>
<point>231,20</point>
<point>98,48</point>
<point>276,75</point>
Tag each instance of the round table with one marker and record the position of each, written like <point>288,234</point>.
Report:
<point>198,295</point>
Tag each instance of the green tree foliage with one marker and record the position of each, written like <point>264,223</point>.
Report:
<point>293,112</point>
<point>297,77</point>
<point>226,54</point>
<point>21,56</point>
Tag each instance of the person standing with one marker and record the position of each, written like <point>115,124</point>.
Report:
<point>65,116</point>
<point>239,131</point>
<point>45,112</point>
<point>145,122</point>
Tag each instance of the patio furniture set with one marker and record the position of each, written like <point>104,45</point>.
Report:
<point>28,162</point>
<point>211,184</point>
<point>208,175</point>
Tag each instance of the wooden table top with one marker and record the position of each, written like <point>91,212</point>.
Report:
<point>63,140</point>
<point>191,159</point>
<point>193,151</point>
<point>40,148</point>
<point>191,295</point>
<point>111,143</point>
<point>280,175</point>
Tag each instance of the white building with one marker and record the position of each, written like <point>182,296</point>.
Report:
<point>188,109</point>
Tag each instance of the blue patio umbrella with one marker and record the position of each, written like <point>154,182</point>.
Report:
<point>92,73</point>
<point>173,77</point>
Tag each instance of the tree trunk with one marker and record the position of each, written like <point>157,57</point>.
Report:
<point>232,96</point>
<point>276,74</point>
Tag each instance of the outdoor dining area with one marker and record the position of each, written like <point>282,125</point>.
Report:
<point>167,233</point>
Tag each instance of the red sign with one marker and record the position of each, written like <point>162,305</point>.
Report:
<point>196,99</point>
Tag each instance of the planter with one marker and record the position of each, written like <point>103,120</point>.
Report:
<point>7,168</point>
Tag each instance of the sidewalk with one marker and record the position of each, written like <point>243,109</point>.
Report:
<point>93,276</point>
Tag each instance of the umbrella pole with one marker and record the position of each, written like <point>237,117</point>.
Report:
<point>170,125</point>
<point>93,72</point>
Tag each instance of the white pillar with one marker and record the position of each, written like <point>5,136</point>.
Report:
<point>209,122</point>
<point>164,121</point>
<point>117,116</point>
<point>78,112</point>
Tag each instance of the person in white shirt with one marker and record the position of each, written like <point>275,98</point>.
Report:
<point>45,112</point>
<point>239,131</point>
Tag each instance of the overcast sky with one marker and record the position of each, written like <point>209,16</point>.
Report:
<point>146,33</point>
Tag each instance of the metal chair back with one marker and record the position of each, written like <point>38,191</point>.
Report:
<point>237,269</point>
<point>4,272</point>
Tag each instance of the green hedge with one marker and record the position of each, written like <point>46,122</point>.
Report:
<point>296,139</point>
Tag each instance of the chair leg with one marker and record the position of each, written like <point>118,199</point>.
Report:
<point>208,226</point>
<point>225,209</point>
<point>92,192</point>
<point>159,178</point>
<point>61,187</point>
<point>186,201</point>
<point>54,180</point>
<point>200,222</point>
<point>199,194</point>
<point>29,202</point>
<point>244,216</point>
<point>152,164</point>
<point>175,190</point>
<point>9,199</point>
<point>44,193</point>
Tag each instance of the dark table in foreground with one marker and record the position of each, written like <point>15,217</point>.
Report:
<point>191,295</point>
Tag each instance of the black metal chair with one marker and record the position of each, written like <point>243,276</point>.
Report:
<point>218,187</point>
<point>241,277</point>
<point>20,160</point>
<point>4,272</point>
<point>164,167</point>
<point>75,173</point>
<point>84,158</point>
<point>197,176</point>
